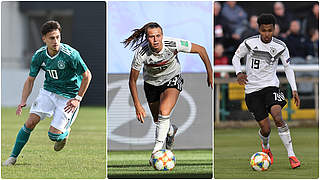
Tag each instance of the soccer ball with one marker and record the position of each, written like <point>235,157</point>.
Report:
<point>163,160</point>
<point>260,161</point>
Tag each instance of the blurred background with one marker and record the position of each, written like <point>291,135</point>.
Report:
<point>297,25</point>
<point>83,28</point>
<point>235,129</point>
<point>193,112</point>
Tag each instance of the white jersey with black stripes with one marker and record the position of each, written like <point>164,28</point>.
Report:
<point>262,61</point>
<point>160,67</point>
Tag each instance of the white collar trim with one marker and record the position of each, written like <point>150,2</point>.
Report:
<point>54,55</point>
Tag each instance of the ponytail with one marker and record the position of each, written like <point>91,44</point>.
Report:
<point>138,37</point>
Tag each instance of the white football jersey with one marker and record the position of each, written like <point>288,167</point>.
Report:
<point>262,61</point>
<point>160,67</point>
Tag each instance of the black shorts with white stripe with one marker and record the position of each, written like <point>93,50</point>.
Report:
<point>153,92</point>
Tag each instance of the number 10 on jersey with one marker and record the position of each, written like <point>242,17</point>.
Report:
<point>53,73</point>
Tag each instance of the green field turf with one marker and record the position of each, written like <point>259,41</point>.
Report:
<point>134,164</point>
<point>84,155</point>
<point>234,147</point>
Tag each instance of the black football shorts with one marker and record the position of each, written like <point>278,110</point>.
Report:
<point>260,102</point>
<point>153,92</point>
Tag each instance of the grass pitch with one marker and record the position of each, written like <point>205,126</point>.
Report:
<point>84,155</point>
<point>234,147</point>
<point>134,164</point>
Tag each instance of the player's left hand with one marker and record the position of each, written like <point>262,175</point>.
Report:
<point>296,98</point>
<point>71,105</point>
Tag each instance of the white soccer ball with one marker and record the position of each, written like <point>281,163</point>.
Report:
<point>260,161</point>
<point>163,160</point>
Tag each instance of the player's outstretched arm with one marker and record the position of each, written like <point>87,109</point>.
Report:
<point>140,112</point>
<point>72,104</point>
<point>291,78</point>
<point>195,48</point>
<point>27,89</point>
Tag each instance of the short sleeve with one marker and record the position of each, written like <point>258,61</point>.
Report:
<point>35,65</point>
<point>79,64</point>
<point>183,45</point>
<point>242,50</point>
<point>137,61</point>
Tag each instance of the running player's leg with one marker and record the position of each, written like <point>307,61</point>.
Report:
<point>284,133</point>
<point>154,108</point>
<point>22,138</point>
<point>264,132</point>
<point>60,125</point>
<point>168,100</point>
<point>256,105</point>
<point>40,109</point>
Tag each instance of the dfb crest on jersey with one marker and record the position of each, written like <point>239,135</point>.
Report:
<point>61,64</point>
<point>273,51</point>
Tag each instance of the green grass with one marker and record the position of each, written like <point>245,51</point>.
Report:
<point>134,164</point>
<point>84,156</point>
<point>234,147</point>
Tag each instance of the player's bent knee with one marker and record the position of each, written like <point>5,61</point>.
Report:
<point>164,113</point>
<point>57,137</point>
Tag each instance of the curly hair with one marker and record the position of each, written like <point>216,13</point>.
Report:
<point>50,26</point>
<point>266,19</point>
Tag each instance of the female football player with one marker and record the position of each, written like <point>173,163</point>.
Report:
<point>158,55</point>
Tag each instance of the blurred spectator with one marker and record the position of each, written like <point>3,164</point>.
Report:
<point>252,29</point>
<point>313,21</point>
<point>298,44</point>
<point>236,21</point>
<point>276,33</point>
<point>220,59</point>
<point>283,18</point>
<point>236,18</point>
<point>315,42</point>
<point>220,27</point>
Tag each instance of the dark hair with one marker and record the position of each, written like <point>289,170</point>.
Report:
<point>266,19</point>
<point>50,26</point>
<point>139,35</point>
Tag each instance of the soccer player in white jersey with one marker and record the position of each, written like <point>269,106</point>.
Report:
<point>66,81</point>
<point>262,93</point>
<point>162,76</point>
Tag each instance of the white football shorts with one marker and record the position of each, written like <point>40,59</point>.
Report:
<point>48,103</point>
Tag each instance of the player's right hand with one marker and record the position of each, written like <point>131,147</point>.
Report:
<point>141,114</point>
<point>242,78</point>
<point>19,108</point>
